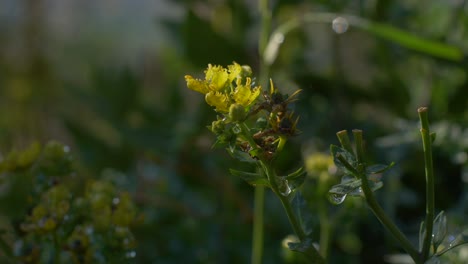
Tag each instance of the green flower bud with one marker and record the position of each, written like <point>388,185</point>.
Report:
<point>236,112</point>
<point>217,127</point>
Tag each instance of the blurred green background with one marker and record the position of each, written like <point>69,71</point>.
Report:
<point>106,79</point>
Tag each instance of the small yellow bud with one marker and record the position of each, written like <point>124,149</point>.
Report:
<point>236,113</point>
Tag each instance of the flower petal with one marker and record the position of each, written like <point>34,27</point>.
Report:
<point>218,100</point>
<point>234,71</point>
<point>216,76</point>
<point>196,84</point>
<point>244,94</point>
<point>241,95</point>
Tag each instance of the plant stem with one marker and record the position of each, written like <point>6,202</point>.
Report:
<point>257,234</point>
<point>427,146</point>
<point>344,140</point>
<point>325,229</point>
<point>267,168</point>
<point>310,251</point>
<point>259,201</point>
<point>377,210</point>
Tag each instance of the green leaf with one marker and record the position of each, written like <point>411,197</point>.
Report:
<point>240,155</point>
<point>251,178</point>
<point>296,174</point>
<point>303,212</point>
<point>352,188</point>
<point>296,178</point>
<point>460,239</point>
<point>347,163</point>
<point>422,234</point>
<point>302,246</point>
<point>413,42</point>
<point>440,229</point>
<point>378,168</point>
<point>307,248</point>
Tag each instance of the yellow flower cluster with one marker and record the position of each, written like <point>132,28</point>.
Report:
<point>224,87</point>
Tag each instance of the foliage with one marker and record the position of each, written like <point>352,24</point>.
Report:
<point>56,218</point>
<point>110,85</point>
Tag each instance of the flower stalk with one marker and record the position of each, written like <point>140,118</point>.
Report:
<point>376,208</point>
<point>427,147</point>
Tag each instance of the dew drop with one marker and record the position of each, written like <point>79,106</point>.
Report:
<point>340,25</point>
<point>284,187</point>
<point>356,192</point>
<point>336,198</point>
<point>236,129</point>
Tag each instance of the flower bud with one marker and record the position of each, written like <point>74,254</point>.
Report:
<point>217,127</point>
<point>236,112</point>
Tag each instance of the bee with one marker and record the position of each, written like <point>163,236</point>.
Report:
<point>275,102</point>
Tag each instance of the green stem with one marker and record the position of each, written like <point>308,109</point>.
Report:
<point>311,251</point>
<point>314,255</point>
<point>257,234</point>
<point>325,229</point>
<point>344,140</point>
<point>259,202</point>
<point>427,146</point>
<point>377,210</point>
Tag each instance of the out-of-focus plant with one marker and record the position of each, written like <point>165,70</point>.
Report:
<point>59,219</point>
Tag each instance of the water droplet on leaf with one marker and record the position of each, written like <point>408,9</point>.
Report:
<point>283,187</point>
<point>336,198</point>
<point>340,25</point>
<point>356,192</point>
<point>236,129</point>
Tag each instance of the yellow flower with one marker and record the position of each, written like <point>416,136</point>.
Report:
<point>218,100</point>
<point>217,77</point>
<point>219,89</point>
<point>243,94</point>
<point>234,71</point>
<point>197,85</point>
